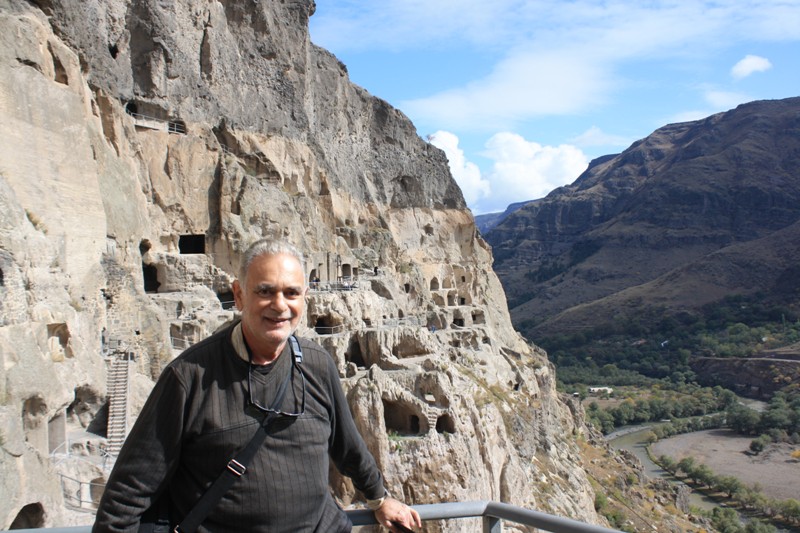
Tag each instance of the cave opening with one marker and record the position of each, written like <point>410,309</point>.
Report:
<point>192,244</point>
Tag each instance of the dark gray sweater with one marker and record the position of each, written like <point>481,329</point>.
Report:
<point>197,418</point>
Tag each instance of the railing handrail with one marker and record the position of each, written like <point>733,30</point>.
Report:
<point>491,512</point>
<point>489,509</point>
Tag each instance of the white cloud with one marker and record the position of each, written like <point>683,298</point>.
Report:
<point>521,170</point>
<point>466,174</point>
<point>522,86</point>
<point>750,64</point>
<point>525,170</point>
<point>594,136</point>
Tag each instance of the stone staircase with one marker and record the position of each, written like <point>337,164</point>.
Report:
<point>119,379</point>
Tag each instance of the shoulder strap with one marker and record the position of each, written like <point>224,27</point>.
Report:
<point>237,466</point>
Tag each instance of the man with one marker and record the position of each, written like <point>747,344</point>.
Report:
<point>208,403</point>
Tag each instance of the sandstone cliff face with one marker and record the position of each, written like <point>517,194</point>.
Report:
<point>693,212</point>
<point>146,143</point>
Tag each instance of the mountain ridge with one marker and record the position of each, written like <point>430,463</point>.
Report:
<point>679,196</point>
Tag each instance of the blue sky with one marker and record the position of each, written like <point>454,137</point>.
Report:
<point>521,95</point>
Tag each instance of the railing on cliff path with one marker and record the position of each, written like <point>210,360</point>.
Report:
<point>492,515</point>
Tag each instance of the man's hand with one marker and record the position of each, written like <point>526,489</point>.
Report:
<point>396,511</point>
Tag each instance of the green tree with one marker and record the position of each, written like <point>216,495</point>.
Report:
<point>729,485</point>
<point>668,463</point>
<point>704,476</point>
<point>743,419</point>
<point>790,510</point>
<point>757,445</point>
<point>687,466</point>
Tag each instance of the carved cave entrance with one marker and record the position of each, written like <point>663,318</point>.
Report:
<point>29,517</point>
<point>400,419</point>
<point>445,424</point>
<point>150,273</point>
<point>192,244</point>
<point>327,325</point>
<point>226,299</point>
<point>354,354</point>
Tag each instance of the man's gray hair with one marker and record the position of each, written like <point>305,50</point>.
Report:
<point>269,246</point>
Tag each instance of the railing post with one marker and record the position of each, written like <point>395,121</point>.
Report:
<point>492,525</point>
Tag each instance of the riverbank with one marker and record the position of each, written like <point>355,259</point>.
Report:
<point>727,453</point>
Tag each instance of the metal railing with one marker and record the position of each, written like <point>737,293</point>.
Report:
<point>492,514</point>
<point>81,495</point>
<point>163,124</point>
<point>328,286</point>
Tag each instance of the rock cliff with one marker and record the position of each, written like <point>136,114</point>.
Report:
<point>145,144</point>
<point>692,213</point>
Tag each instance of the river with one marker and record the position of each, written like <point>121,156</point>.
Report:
<point>633,440</point>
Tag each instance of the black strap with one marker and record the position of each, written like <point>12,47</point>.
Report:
<point>237,466</point>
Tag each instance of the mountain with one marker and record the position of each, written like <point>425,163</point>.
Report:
<point>696,212</point>
<point>488,221</point>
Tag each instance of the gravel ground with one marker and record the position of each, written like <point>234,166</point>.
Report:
<point>727,453</point>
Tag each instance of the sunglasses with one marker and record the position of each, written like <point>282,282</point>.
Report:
<point>297,359</point>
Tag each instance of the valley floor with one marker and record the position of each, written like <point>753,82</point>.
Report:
<point>727,453</point>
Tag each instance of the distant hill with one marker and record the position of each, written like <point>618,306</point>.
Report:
<point>488,221</point>
<point>693,213</point>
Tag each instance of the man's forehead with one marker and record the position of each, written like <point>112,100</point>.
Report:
<point>275,269</point>
<point>276,286</point>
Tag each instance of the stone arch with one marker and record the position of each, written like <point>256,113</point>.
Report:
<point>478,317</point>
<point>29,517</point>
<point>434,284</point>
<point>447,283</point>
<point>445,424</point>
<point>451,299</point>
<point>403,419</point>
<point>438,299</point>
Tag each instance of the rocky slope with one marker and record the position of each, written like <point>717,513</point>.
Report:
<point>694,212</point>
<point>145,144</point>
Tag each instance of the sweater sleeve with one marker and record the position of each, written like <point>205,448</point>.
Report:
<point>348,450</point>
<point>147,459</point>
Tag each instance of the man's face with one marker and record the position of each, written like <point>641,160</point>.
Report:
<point>272,302</point>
